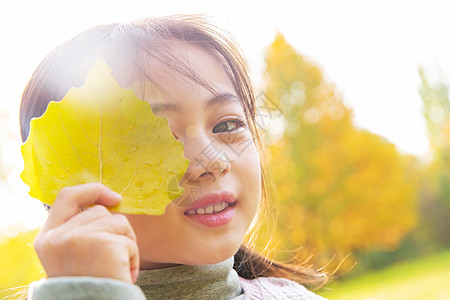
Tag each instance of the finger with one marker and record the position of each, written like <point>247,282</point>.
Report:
<point>116,224</point>
<point>87,216</point>
<point>119,228</point>
<point>134,264</point>
<point>133,251</point>
<point>132,254</point>
<point>70,199</point>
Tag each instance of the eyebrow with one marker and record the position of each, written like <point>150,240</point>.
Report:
<point>220,99</point>
<point>159,107</point>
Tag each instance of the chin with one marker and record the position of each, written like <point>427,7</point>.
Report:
<point>212,255</point>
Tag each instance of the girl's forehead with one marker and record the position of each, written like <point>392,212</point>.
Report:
<point>184,70</point>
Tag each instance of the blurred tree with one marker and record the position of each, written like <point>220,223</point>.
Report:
<point>436,109</point>
<point>19,264</point>
<point>435,199</point>
<point>340,189</point>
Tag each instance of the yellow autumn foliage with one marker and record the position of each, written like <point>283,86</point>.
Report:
<point>341,189</point>
<point>19,265</point>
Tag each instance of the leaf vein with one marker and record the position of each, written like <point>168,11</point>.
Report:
<point>134,173</point>
<point>116,123</point>
<point>71,142</point>
<point>84,130</point>
<point>59,159</point>
<point>121,144</point>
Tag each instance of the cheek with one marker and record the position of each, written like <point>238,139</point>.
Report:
<point>250,160</point>
<point>249,170</point>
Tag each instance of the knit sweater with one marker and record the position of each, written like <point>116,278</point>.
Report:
<point>219,281</point>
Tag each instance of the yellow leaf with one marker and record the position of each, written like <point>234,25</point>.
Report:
<point>101,132</point>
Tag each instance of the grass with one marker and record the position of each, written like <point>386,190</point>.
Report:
<point>425,279</point>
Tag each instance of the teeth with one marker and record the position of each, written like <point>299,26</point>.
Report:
<point>209,209</point>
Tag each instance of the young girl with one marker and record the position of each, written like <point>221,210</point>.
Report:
<point>192,74</point>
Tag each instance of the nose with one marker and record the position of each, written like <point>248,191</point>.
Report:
<point>208,160</point>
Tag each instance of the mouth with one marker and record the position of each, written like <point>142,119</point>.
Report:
<point>208,210</point>
<point>214,209</point>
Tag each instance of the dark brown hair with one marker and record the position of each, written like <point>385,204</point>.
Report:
<point>122,47</point>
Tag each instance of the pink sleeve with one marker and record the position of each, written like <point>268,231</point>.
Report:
<point>264,288</point>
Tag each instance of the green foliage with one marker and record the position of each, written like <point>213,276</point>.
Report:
<point>341,188</point>
<point>424,278</point>
<point>436,109</point>
<point>435,194</point>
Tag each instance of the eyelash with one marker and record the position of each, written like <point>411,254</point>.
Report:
<point>240,124</point>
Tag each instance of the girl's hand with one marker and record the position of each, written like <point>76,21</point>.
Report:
<point>93,242</point>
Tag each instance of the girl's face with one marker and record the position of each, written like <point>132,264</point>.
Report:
<point>222,184</point>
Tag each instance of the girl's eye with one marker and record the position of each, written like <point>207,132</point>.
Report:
<point>227,126</point>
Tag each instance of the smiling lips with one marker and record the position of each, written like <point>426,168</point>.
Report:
<point>215,209</point>
<point>210,209</point>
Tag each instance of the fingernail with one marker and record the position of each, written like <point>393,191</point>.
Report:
<point>115,195</point>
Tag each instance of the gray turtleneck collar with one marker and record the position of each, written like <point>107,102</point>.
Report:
<point>218,281</point>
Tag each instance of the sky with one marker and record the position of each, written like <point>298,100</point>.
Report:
<point>371,50</point>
